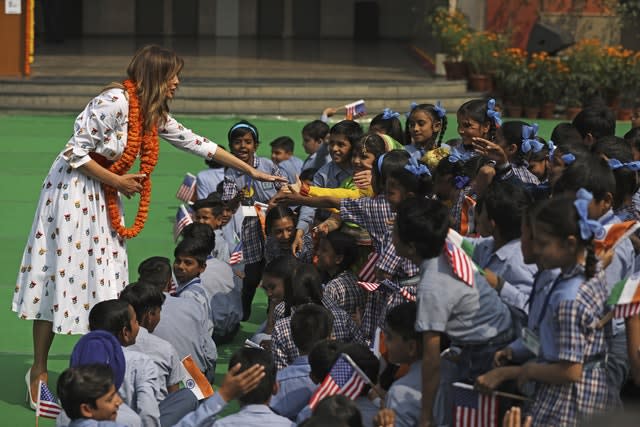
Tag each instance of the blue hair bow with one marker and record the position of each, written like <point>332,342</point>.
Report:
<point>388,114</point>
<point>617,164</point>
<point>552,148</point>
<point>568,158</point>
<point>461,181</point>
<point>418,169</point>
<point>439,109</point>
<point>411,108</point>
<point>589,228</point>
<point>380,161</point>
<point>492,113</point>
<point>459,156</point>
<point>529,141</point>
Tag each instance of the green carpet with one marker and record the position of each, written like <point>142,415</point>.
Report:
<point>28,145</point>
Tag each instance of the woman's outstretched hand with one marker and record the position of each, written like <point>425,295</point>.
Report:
<point>261,176</point>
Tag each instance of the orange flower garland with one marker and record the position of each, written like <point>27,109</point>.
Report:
<point>147,147</point>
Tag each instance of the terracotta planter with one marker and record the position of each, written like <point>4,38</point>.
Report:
<point>456,70</point>
<point>480,82</point>
<point>612,97</point>
<point>531,112</point>
<point>547,110</point>
<point>572,112</point>
<point>624,113</point>
<point>514,110</point>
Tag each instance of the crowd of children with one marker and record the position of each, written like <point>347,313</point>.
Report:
<point>492,259</point>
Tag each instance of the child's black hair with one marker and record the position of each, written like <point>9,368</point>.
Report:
<point>156,271</point>
<point>339,409</point>
<point>389,124</point>
<point>310,324</point>
<point>365,359</point>
<point>382,168</point>
<point>213,201</point>
<point>247,357</point>
<point>476,109</point>
<point>558,217</point>
<point>505,204</point>
<point>282,267</point>
<point>430,109</point>
<point>596,119</point>
<point>284,143</point>
<point>276,213</point>
<point>83,385</point>
<point>371,143</point>
<point>201,237</point>
<point>242,128</point>
<point>512,133</point>
<point>591,173</point>
<point>316,129</point>
<point>616,148</point>
<point>401,319</point>
<point>343,245</point>
<point>350,129</point>
<point>303,287</point>
<point>143,297</point>
<point>195,248</point>
<point>212,163</point>
<point>322,357</point>
<point>565,133</point>
<point>419,183</point>
<point>423,223</point>
<point>633,138</point>
<point>613,147</point>
<point>112,316</point>
<point>308,174</point>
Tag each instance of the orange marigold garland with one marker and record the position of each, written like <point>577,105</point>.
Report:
<point>137,144</point>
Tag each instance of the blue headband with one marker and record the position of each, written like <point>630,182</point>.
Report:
<point>380,160</point>
<point>418,169</point>
<point>245,126</point>
<point>492,113</point>
<point>589,228</point>
<point>388,114</point>
<point>439,109</point>
<point>529,141</point>
<point>617,164</point>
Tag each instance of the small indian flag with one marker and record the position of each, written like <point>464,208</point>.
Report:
<point>616,233</point>
<point>196,381</point>
<point>625,297</point>
<point>458,240</point>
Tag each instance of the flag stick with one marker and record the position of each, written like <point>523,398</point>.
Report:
<point>495,393</point>
<point>363,375</point>
<point>606,319</point>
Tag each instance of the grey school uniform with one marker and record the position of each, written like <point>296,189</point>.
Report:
<point>292,168</point>
<point>126,417</point>
<point>193,289</point>
<point>405,397</point>
<point>254,416</point>
<point>184,324</point>
<point>224,296</point>
<point>140,385</point>
<point>475,319</point>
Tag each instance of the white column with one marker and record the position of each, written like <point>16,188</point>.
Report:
<point>227,18</point>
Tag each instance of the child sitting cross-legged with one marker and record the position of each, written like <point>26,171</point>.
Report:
<point>89,397</point>
<point>310,324</point>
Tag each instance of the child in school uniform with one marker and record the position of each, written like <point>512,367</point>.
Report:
<point>89,397</point>
<point>476,118</point>
<point>594,122</point>
<point>388,123</point>
<point>336,411</point>
<point>364,358</point>
<point>282,155</point>
<point>280,227</point>
<point>215,213</point>
<point>243,142</point>
<point>207,180</point>
<point>180,315</point>
<point>404,346</point>
<point>424,131</point>
<point>314,135</point>
<point>310,324</point>
<point>520,140</point>
<point>451,300</point>
<point>563,334</point>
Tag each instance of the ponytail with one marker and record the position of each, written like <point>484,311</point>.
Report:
<point>591,263</point>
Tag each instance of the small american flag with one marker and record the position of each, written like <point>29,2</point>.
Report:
<point>474,409</point>
<point>355,110</point>
<point>369,286</point>
<point>187,188</point>
<point>342,379</point>
<point>395,287</point>
<point>460,262</point>
<point>183,218</point>
<point>47,405</point>
<point>236,255</point>
<point>368,271</point>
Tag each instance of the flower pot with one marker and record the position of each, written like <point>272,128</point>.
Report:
<point>480,82</point>
<point>572,112</point>
<point>531,112</point>
<point>624,113</point>
<point>612,97</point>
<point>547,110</point>
<point>455,70</point>
<point>514,110</point>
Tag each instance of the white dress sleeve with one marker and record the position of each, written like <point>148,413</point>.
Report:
<point>184,139</point>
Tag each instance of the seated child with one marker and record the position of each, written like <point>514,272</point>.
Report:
<point>594,122</point>
<point>280,226</point>
<point>404,346</point>
<point>313,141</point>
<point>310,324</point>
<point>180,315</point>
<point>364,358</point>
<point>519,140</point>
<point>450,301</point>
<point>336,410</point>
<point>335,256</point>
<point>282,155</point>
<point>89,397</point>
<point>215,213</point>
<point>147,302</point>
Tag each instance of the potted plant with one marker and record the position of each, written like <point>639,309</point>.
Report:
<point>547,77</point>
<point>480,50</point>
<point>449,28</point>
<point>509,78</point>
<point>585,72</point>
<point>630,86</point>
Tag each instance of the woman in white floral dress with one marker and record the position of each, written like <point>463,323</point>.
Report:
<point>74,258</point>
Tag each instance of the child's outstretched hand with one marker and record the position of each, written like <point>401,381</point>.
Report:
<point>236,385</point>
<point>491,150</point>
<point>488,382</point>
<point>329,111</point>
<point>362,179</point>
<point>502,357</point>
<point>513,418</point>
<point>296,186</point>
<point>385,418</point>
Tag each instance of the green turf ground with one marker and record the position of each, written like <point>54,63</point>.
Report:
<point>28,145</point>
